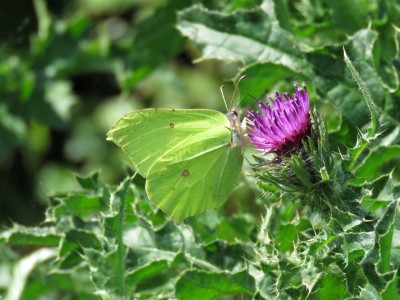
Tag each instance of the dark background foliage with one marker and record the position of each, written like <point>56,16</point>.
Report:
<point>68,69</point>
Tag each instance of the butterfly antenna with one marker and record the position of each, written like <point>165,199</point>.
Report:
<point>221,88</point>
<point>236,87</point>
<point>254,98</point>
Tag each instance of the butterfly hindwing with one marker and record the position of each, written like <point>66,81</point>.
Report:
<point>186,187</point>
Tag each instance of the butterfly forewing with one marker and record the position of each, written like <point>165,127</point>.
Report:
<point>147,135</point>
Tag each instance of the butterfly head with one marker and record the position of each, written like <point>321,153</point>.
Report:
<point>234,111</point>
<point>233,117</point>
<point>235,127</point>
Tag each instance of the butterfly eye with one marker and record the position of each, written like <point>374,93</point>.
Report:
<point>234,112</point>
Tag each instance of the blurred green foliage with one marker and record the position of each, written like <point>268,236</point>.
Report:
<point>70,69</point>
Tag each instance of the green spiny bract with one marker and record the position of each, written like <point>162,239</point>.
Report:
<point>310,172</point>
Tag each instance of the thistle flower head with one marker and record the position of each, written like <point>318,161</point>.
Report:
<point>282,123</point>
<point>305,166</point>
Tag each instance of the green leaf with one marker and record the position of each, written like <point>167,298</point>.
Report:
<point>75,286</point>
<point>259,78</point>
<point>236,229</point>
<point>286,237</point>
<point>163,244</point>
<point>28,85</point>
<point>148,272</point>
<point>335,81</point>
<point>157,275</point>
<point>223,256</point>
<point>378,194</point>
<point>392,10</point>
<point>90,182</point>
<point>347,14</point>
<point>369,293</point>
<point>23,269</point>
<point>379,161</point>
<point>156,40</point>
<point>247,37</point>
<point>83,205</point>
<point>13,131</point>
<point>356,242</point>
<point>106,273</point>
<point>21,235</point>
<point>377,262</point>
<point>386,50</point>
<point>83,238</point>
<point>205,285</point>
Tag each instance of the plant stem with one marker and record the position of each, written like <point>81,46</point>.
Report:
<point>120,263</point>
<point>371,106</point>
<point>366,95</point>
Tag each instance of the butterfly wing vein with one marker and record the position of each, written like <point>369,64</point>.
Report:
<point>185,156</point>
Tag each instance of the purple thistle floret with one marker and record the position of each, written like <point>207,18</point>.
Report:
<point>282,124</point>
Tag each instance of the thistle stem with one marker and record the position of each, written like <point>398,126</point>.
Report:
<point>373,109</point>
<point>356,155</point>
<point>366,95</point>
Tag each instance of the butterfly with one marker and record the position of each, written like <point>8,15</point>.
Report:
<point>191,158</point>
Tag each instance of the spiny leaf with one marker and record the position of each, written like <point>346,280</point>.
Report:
<point>90,182</point>
<point>206,285</point>
<point>244,36</point>
<point>376,264</point>
<point>21,235</point>
<point>378,162</point>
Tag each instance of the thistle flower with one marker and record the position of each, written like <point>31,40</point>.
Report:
<point>282,124</point>
<point>306,167</point>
